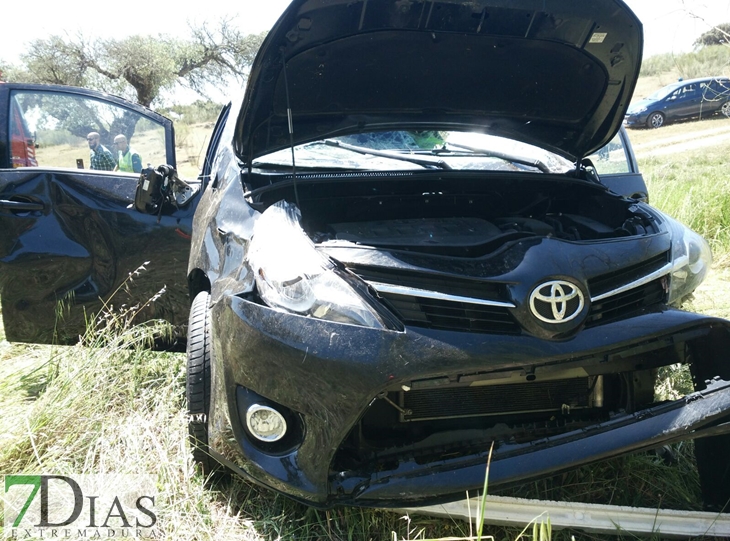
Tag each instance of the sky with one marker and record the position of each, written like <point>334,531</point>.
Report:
<point>669,25</point>
<point>673,25</point>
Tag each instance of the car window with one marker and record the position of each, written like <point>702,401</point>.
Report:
<point>716,88</point>
<point>721,86</point>
<point>684,92</point>
<point>612,159</point>
<point>75,131</point>
<point>667,91</point>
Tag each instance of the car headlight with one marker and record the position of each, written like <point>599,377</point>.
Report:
<point>293,276</point>
<point>691,258</point>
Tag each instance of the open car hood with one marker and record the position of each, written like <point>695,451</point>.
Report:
<point>558,74</point>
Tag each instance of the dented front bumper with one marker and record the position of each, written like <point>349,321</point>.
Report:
<point>704,413</point>
<point>328,375</point>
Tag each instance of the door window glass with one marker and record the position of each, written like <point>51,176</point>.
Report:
<point>612,158</point>
<point>689,91</point>
<point>717,88</point>
<point>72,131</point>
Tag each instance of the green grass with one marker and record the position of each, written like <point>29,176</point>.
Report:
<point>109,405</point>
<point>693,188</point>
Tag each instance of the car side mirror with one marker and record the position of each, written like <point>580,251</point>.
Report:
<point>161,190</point>
<point>149,196</point>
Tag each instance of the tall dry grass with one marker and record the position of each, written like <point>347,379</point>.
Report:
<point>706,62</point>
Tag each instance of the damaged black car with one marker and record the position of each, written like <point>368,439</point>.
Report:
<point>421,234</point>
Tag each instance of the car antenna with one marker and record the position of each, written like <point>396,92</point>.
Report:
<point>291,137</point>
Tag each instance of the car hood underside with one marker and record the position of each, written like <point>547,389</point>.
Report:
<point>558,75</point>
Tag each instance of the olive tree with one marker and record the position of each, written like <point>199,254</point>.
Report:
<point>141,67</point>
<point>717,35</point>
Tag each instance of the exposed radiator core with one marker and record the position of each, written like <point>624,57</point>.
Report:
<point>476,401</point>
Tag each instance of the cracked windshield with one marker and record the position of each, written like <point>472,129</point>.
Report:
<point>446,150</point>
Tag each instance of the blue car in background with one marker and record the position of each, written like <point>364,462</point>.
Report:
<point>693,98</point>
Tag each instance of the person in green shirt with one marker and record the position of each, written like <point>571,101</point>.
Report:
<point>129,161</point>
<point>101,157</point>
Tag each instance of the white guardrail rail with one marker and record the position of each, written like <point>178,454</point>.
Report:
<point>610,519</point>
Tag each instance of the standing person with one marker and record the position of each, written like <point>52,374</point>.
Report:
<point>129,161</point>
<point>101,157</point>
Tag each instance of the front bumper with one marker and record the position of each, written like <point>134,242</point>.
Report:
<point>651,428</point>
<point>329,374</point>
<point>636,121</point>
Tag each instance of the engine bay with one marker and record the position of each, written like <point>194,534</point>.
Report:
<point>473,236</point>
<point>466,217</point>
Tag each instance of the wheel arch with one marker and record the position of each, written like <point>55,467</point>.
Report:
<point>197,281</point>
<point>725,108</point>
<point>656,113</point>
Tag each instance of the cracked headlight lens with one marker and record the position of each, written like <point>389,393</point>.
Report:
<point>691,259</point>
<point>293,276</point>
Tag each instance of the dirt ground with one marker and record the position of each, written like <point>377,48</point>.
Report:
<point>694,135</point>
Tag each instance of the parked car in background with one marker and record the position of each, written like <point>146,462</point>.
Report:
<point>421,234</point>
<point>694,98</point>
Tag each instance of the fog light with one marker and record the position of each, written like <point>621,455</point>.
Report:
<point>265,423</point>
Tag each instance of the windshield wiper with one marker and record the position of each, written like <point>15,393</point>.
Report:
<point>392,155</point>
<point>475,151</point>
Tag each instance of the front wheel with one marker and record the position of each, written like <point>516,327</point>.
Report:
<point>655,120</point>
<point>725,109</point>
<point>198,384</point>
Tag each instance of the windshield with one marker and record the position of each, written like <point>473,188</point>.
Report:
<point>418,150</point>
<point>663,92</point>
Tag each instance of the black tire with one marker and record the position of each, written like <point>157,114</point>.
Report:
<point>725,108</point>
<point>655,120</point>
<point>197,384</point>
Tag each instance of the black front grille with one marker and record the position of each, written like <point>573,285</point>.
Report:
<point>625,304</point>
<point>613,280</point>
<point>453,315</point>
<point>450,315</point>
<point>496,399</point>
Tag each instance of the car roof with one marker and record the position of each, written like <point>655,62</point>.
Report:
<point>698,80</point>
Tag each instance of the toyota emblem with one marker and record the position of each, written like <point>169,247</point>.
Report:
<point>556,301</point>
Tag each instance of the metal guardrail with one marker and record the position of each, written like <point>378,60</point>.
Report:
<point>610,519</point>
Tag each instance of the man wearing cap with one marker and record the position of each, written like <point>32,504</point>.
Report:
<point>129,161</point>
